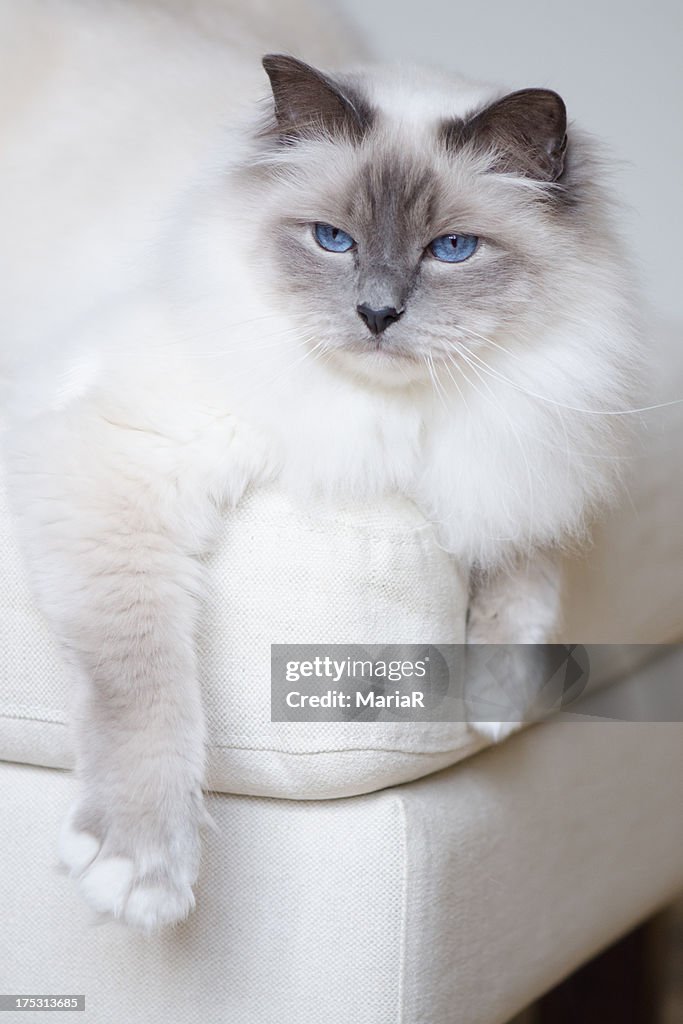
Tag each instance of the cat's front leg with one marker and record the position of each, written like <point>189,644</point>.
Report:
<point>516,610</point>
<point>517,605</point>
<point>111,544</point>
<point>132,839</point>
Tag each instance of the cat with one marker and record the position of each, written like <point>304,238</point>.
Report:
<point>384,281</point>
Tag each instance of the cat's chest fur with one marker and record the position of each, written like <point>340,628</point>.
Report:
<point>483,465</point>
<point>321,435</point>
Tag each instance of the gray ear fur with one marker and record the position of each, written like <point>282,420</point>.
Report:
<point>527,129</point>
<point>306,100</point>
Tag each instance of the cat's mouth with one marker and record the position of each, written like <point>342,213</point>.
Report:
<point>382,361</point>
<point>381,348</point>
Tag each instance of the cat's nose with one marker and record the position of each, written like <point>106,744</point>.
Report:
<point>378,320</point>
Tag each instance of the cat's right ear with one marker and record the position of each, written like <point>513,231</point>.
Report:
<point>308,102</point>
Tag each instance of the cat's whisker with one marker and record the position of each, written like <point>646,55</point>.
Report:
<point>431,374</point>
<point>570,408</point>
<point>516,355</point>
<point>312,352</point>
<point>250,370</point>
<point>231,326</point>
<point>569,451</point>
<point>279,336</point>
<point>398,363</point>
<point>489,341</point>
<point>460,390</point>
<point>438,387</point>
<point>492,400</point>
<point>184,343</point>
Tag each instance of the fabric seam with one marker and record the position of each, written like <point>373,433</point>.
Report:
<point>293,753</point>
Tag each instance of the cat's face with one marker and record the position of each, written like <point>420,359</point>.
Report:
<point>395,245</point>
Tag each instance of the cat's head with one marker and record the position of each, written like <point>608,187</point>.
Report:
<point>402,218</point>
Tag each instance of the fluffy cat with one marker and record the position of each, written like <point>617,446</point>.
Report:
<point>386,281</point>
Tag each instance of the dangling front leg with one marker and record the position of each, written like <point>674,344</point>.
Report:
<point>111,545</point>
<point>132,840</point>
<point>516,607</point>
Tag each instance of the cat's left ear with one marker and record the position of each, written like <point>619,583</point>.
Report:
<point>527,130</point>
<point>306,100</point>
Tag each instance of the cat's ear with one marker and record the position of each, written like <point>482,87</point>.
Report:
<point>527,130</point>
<point>307,101</point>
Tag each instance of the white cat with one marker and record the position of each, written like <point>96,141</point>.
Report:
<point>384,281</point>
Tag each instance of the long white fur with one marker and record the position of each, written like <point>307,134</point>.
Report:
<point>149,376</point>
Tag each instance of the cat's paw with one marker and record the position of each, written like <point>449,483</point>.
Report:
<point>139,872</point>
<point>495,731</point>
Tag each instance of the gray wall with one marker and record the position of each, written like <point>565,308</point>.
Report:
<point>619,67</point>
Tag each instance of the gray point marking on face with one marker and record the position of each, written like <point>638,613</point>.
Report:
<point>307,101</point>
<point>396,197</point>
<point>527,130</point>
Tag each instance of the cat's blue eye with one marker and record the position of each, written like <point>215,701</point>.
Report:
<point>333,239</point>
<point>453,248</point>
